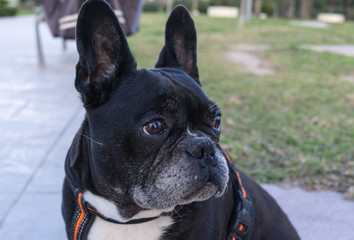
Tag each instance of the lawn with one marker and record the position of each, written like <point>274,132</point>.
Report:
<point>296,126</point>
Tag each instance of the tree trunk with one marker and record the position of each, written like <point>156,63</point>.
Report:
<point>257,7</point>
<point>347,10</point>
<point>306,6</point>
<point>287,9</point>
<point>289,14</point>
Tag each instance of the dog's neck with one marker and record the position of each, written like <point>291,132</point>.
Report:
<point>102,229</point>
<point>152,230</point>
<point>109,209</point>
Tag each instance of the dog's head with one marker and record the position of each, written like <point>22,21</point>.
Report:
<point>154,131</point>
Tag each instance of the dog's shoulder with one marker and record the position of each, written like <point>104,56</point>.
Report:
<point>268,214</point>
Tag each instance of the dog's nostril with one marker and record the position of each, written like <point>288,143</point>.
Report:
<point>199,148</point>
<point>202,148</point>
<point>196,150</point>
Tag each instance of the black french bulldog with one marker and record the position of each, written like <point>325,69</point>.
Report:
<point>146,163</point>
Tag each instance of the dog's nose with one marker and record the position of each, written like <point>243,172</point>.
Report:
<point>202,148</point>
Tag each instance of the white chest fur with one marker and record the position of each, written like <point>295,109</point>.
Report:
<point>152,230</point>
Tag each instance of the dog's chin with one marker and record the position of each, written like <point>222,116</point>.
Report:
<point>207,190</point>
<point>199,194</point>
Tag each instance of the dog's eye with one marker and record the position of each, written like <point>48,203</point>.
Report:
<point>217,122</point>
<point>154,127</point>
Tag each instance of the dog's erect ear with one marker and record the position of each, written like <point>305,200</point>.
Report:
<point>180,48</point>
<point>103,50</point>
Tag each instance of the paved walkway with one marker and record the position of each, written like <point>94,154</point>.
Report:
<point>347,50</point>
<point>310,24</point>
<point>39,114</point>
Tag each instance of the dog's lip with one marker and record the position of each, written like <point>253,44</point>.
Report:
<point>211,183</point>
<point>163,211</point>
<point>205,187</point>
<point>219,192</point>
<point>140,204</point>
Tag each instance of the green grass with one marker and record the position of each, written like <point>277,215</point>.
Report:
<point>24,12</point>
<point>296,125</point>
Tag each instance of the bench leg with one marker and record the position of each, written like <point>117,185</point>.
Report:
<point>38,20</point>
<point>64,44</point>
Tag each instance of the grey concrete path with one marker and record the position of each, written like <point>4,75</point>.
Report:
<point>347,50</point>
<point>316,215</point>
<point>39,114</point>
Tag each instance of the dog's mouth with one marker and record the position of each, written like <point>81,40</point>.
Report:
<point>183,182</point>
<point>212,186</point>
<point>198,194</point>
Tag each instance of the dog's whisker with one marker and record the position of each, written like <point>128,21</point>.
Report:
<point>101,144</point>
<point>177,213</point>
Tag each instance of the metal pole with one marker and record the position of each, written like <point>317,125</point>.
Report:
<point>248,10</point>
<point>194,6</point>
<point>241,18</point>
<point>169,6</point>
<point>38,20</point>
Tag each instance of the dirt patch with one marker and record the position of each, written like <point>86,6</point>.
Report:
<point>349,100</point>
<point>348,78</point>
<point>244,47</point>
<point>247,59</point>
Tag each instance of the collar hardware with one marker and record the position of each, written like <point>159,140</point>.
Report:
<point>242,219</point>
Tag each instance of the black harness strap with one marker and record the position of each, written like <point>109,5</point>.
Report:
<point>242,221</point>
<point>82,220</point>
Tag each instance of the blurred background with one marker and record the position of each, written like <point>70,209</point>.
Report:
<point>282,71</point>
<point>288,9</point>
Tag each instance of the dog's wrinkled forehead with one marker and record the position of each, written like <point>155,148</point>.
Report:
<point>184,87</point>
<point>183,83</point>
<point>163,91</point>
